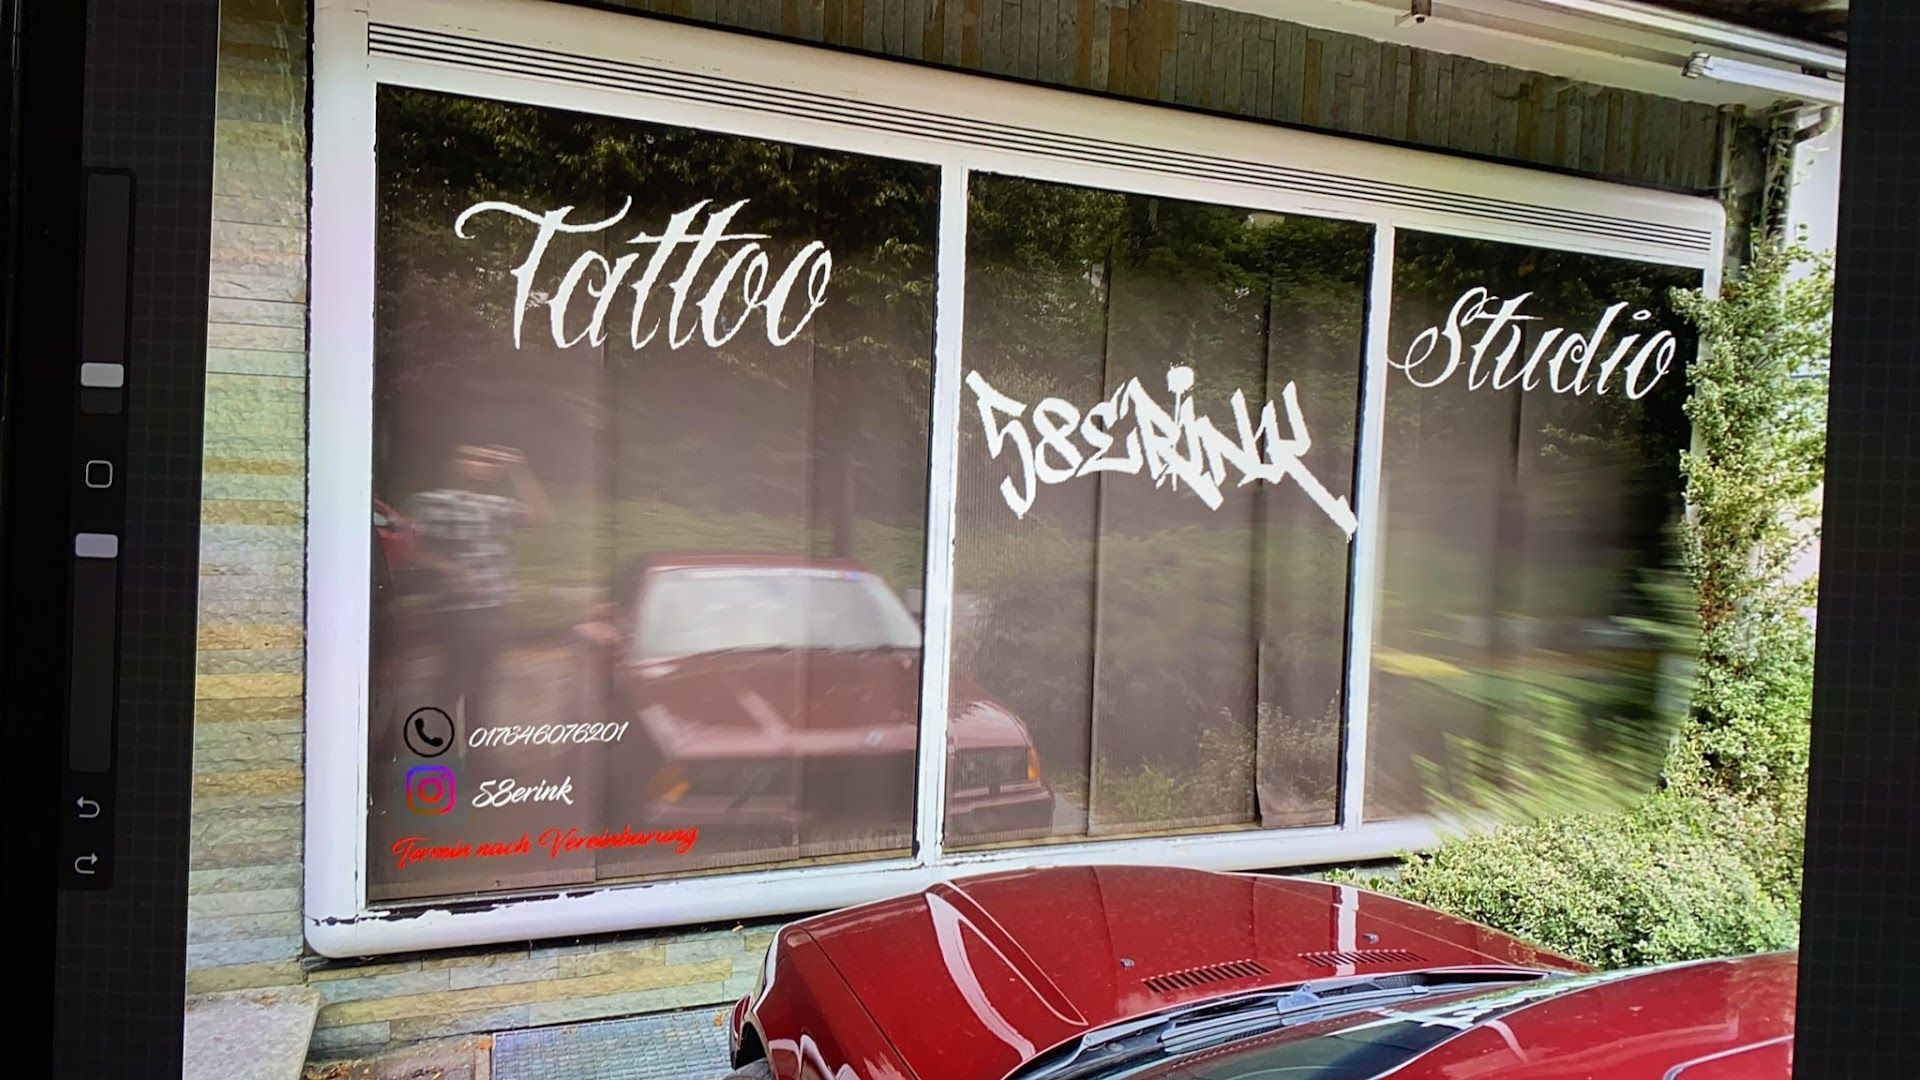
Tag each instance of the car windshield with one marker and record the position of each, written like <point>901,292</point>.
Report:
<point>694,611</point>
<point>1345,1030</point>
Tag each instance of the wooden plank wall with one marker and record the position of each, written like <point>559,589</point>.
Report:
<point>1247,65</point>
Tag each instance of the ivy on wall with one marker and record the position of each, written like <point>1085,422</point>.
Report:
<point>1758,408</point>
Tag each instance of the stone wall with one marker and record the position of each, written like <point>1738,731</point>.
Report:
<point>245,888</point>
<point>244,884</point>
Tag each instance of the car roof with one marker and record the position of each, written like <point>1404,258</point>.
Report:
<point>1709,1018</point>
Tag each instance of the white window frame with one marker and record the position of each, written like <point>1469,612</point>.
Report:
<point>630,66</point>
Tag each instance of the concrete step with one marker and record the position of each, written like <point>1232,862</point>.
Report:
<point>252,1033</point>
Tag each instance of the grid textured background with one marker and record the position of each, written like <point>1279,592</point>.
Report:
<point>1861,880</point>
<point>149,108</point>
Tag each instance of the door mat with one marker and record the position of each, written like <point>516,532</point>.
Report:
<point>689,1045</point>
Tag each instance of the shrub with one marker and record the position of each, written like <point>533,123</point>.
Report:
<point>1758,410</point>
<point>1677,877</point>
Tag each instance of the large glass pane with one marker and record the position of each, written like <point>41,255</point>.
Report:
<point>650,460</point>
<point>1526,605</point>
<point>1153,518</point>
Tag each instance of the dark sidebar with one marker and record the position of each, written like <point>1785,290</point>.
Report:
<point>109,152</point>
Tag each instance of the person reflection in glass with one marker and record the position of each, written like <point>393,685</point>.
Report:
<point>463,531</point>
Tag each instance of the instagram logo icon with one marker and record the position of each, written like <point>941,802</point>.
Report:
<point>430,789</point>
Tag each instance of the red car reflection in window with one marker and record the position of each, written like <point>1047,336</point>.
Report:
<point>394,533</point>
<point>778,700</point>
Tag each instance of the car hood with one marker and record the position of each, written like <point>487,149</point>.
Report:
<point>972,978</point>
<point>1700,1021</point>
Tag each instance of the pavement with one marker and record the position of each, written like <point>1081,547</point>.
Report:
<point>687,1045</point>
<point>253,1033</point>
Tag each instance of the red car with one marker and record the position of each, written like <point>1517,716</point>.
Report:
<point>778,696</point>
<point>1155,973</point>
<point>395,536</point>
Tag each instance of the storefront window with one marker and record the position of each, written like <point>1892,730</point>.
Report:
<point>1154,514</point>
<point>1525,626</point>
<point>650,474</point>
<point>684,378</point>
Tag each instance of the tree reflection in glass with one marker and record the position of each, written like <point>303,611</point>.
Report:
<point>1179,664</point>
<point>712,355</point>
<point>1529,625</point>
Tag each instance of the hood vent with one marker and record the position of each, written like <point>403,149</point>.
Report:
<point>1362,956</point>
<point>1200,976</point>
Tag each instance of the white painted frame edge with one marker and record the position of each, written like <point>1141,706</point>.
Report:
<point>936,608</point>
<point>1363,599</point>
<point>339,921</point>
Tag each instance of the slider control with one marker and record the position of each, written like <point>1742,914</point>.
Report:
<point>107,376</point>
<point>95,623</point>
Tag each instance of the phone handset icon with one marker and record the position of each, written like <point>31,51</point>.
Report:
<point>428,732</point>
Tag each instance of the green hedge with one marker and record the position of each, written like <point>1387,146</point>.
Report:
<point>1681,876</point>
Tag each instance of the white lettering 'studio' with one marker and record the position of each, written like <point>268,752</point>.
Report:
<point>1568,358</point>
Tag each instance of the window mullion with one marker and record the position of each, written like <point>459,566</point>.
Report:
<point>1363,600</point>
<point>942,475</point>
